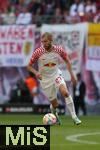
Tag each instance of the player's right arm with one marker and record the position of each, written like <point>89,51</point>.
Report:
<point>30,67</point>
<point>34,71</point>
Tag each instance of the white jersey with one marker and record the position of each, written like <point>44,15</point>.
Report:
<point>48,61</point>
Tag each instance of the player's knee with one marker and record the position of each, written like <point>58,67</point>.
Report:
<point>64,91</point>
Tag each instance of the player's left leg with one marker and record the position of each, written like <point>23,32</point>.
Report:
<point>61,85</point>
<point>69,102</point>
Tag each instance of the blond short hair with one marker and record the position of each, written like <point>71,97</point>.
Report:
<point>47,35</point>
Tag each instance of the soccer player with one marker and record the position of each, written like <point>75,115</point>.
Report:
<point>50,75</point>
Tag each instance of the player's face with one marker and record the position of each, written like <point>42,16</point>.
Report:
<point>47,43</point>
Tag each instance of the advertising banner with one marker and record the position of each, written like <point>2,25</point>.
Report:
<point>93,48</point>
<point>16,44</point>
<point>91,70</point>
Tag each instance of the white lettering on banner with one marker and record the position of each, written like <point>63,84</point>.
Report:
<point>16,44</point>
<point>19,109</point>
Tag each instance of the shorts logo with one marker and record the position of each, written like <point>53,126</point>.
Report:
<point>58,79</point>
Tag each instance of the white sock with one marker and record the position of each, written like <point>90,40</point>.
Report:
<point>70,106</point>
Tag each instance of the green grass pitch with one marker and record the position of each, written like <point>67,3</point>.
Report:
<point>87,135</point>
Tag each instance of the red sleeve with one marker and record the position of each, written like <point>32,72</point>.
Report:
<point>35,55</point>
<point>60,50</point>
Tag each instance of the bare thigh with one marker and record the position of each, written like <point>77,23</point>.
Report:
<point>61,85</point>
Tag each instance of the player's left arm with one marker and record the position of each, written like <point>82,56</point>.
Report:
<point>69,67</point>
<point>67,60</point>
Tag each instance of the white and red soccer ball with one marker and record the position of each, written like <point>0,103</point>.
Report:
<point>49,119</point>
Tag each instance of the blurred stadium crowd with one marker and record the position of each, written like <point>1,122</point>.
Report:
<point>49,11</point>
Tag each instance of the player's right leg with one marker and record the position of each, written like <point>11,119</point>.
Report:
<point>51,93</point>
<point>54,110</point>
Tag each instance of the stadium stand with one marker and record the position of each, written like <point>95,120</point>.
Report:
<point>47,11</point>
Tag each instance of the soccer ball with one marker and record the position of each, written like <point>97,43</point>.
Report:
<point>49,119</point>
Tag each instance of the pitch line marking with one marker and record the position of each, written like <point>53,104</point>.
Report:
<point>74,138</point>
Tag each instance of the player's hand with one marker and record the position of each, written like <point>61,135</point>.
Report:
<point>38,75</point>
<point>74,79</point>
